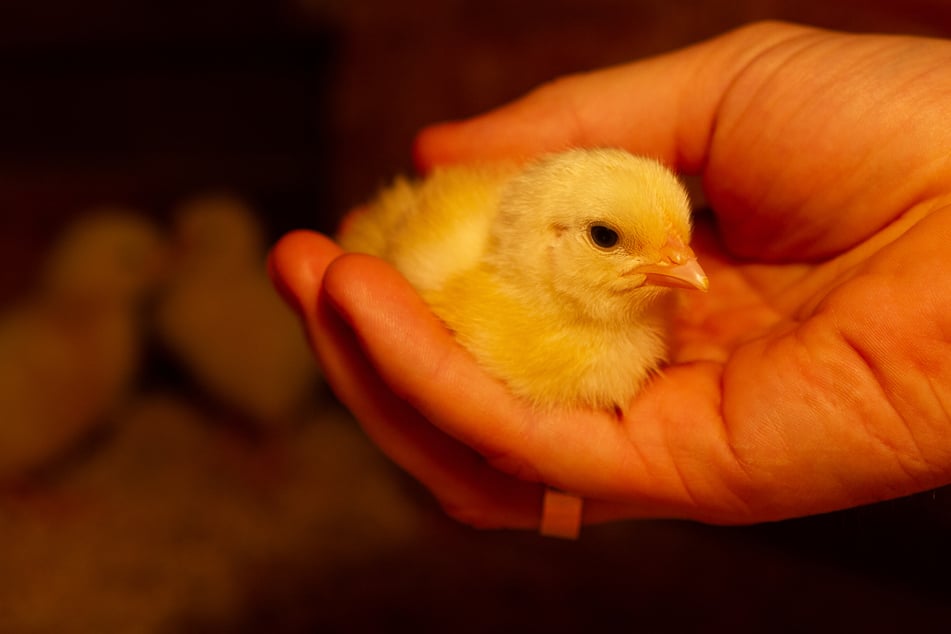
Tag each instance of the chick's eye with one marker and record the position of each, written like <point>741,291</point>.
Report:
<point>604,237</point>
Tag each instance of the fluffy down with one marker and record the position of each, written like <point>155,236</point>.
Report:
<point>556,275</point>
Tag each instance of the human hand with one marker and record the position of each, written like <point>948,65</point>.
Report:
<point>816,373</point>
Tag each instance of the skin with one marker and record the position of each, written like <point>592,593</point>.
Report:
<point>816,373</point>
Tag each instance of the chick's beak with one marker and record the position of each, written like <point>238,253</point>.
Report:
<point>677,267</point>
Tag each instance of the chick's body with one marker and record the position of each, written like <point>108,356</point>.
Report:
<point>554,275</point>
<point>219,315</point>
<point>433,230</point>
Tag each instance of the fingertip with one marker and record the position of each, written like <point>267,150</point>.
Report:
<point>296,265</point>
<point>358,283</point>
<point>432,145</point>
<point>343,277</point>
<point>512,132</point>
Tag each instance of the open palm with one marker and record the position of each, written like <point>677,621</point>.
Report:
<point>815,375</point>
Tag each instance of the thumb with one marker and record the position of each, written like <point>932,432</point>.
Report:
<point>663,107</point>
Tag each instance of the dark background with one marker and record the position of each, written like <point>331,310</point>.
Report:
<point>304,107</point>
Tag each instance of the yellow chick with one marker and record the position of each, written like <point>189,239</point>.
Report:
<point>221,317</point>
<point>113,254</point>
<point>69,352</point>
<point>555,275</point>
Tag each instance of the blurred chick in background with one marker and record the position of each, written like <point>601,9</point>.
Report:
<point>555,275</point>
<point>221,317</point>
<point>69,352</point>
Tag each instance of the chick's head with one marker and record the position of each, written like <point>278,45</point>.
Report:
<point>108,253</point>
<point>602,229</point>
<point>218,230</point>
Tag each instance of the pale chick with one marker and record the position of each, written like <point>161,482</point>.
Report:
<point>70,351</point>
<point>221,317</point>
<point>555,275</point>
